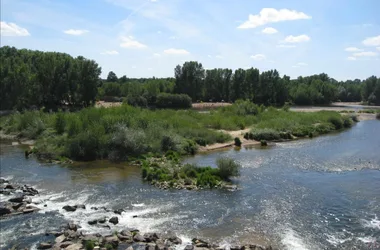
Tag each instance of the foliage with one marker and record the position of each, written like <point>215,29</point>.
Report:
<point>227,168</point>
<point>176,101</point>
<point>237,141</point>
<point>46,79</point>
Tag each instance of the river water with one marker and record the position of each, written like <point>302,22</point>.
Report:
<point>322,193</point>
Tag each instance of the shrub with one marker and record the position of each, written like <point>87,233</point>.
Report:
<point>176,101</point>
<point>227,168</point>
<point>237,141</point>
<point>127,142</point>
<point>245,108</point>
<point>265,134</point>
<point>347,121</point>
<point>263,143</point>
<point>354,118</point>
<point>336,121</point>
<point>201,141</point>
<point>137,101</point>
<point>60,123</point>
<point>378,116</point>
<point>89,245</point>
<point>189,147</point>
<point>170,142</point>
<point>324,128</point>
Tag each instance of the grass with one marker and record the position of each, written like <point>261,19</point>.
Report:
<point>276,124</point>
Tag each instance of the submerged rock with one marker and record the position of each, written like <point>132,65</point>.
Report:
<point>114,220</point>
<point>118,211</point>
<point>5,210</point>
<point>45,245</point>
<point>69,208</point>
<point>92,222</point>
<point>17,199</point>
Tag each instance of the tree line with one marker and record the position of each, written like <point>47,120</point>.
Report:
<point>46,79</point>
<point>53,80</point>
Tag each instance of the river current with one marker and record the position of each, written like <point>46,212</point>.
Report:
<point>321,193</point>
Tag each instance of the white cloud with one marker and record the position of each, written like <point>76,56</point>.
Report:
<point>378,48</point>
<point>110,52</point>
<point>172,37</point>
<point>219,56</point>
<point>351,58</point>
<point>258,57</point>
<point>176,51</point>
<point>299,65</point>
<point>297,39</point>
<point>372,41</point>
<point>365,54</point>
<point>75,32</point>
<point>156,55</point>
<point>130,43</point>
<point>270,15</point>
<point>352,49</point>
<point>285,46</point>
<point>12,29</point>
<point>269,31</point>
<point>302,64</point>
<point>209,56</point>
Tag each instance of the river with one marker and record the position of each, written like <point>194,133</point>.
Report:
<point>321,193</point>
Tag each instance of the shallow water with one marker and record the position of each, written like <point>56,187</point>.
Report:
<point>322,193</point>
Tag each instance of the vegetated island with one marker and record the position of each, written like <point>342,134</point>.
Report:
<point>49,98</point>
<point>157,139</point>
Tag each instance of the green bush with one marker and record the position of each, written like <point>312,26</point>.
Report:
<point>354,118</point>
<point>265,134</point>
<point>89,245</point>
<point>347,121</point>
<point>263,143</point>
<point>337,122</point>
<point>60,123</point>
<point>378,116</point>
<point>227,168</point>
<point>237,141</point>
<point>137,101</point>
<point>175,101</point>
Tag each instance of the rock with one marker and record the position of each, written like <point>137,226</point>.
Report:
<point>106,226</point>
<point>126,233</point>
<point>55,233</point>
<point>92,222</point>
<point>44,245</point>
<point>129,248</point>
<point>90,237</point>
<point>235,247</point>
<point>9,186</point>
<point>4,192</point>
<point>72,226</point>
<point>102,220</point>
<point>94,208</point>
<point>113,240</point>
<point>150,246</point>
<point>134,216</point>
<point>64,244</point>
<point>60,239</point>
<point>138,238</point>
<point>189,247</point>
<point>123,238</point>
<point>69,208</point>
<point>81,206</point>
<point>114,220</point>
<point>17,199</point>
<point>151,237</point>
<point>118,211</point>
<point>4,210</point>
<point>29,210</point>
<point>76,246</point>
<point>17,206</point>
<point>175,240</point>
<point>2,180</point>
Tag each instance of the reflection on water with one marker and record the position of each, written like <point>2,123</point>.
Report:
<point>308,194</point>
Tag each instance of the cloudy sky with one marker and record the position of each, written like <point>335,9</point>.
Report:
<point>144,38</point>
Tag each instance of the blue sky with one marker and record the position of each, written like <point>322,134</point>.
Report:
<point>144,38</point>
